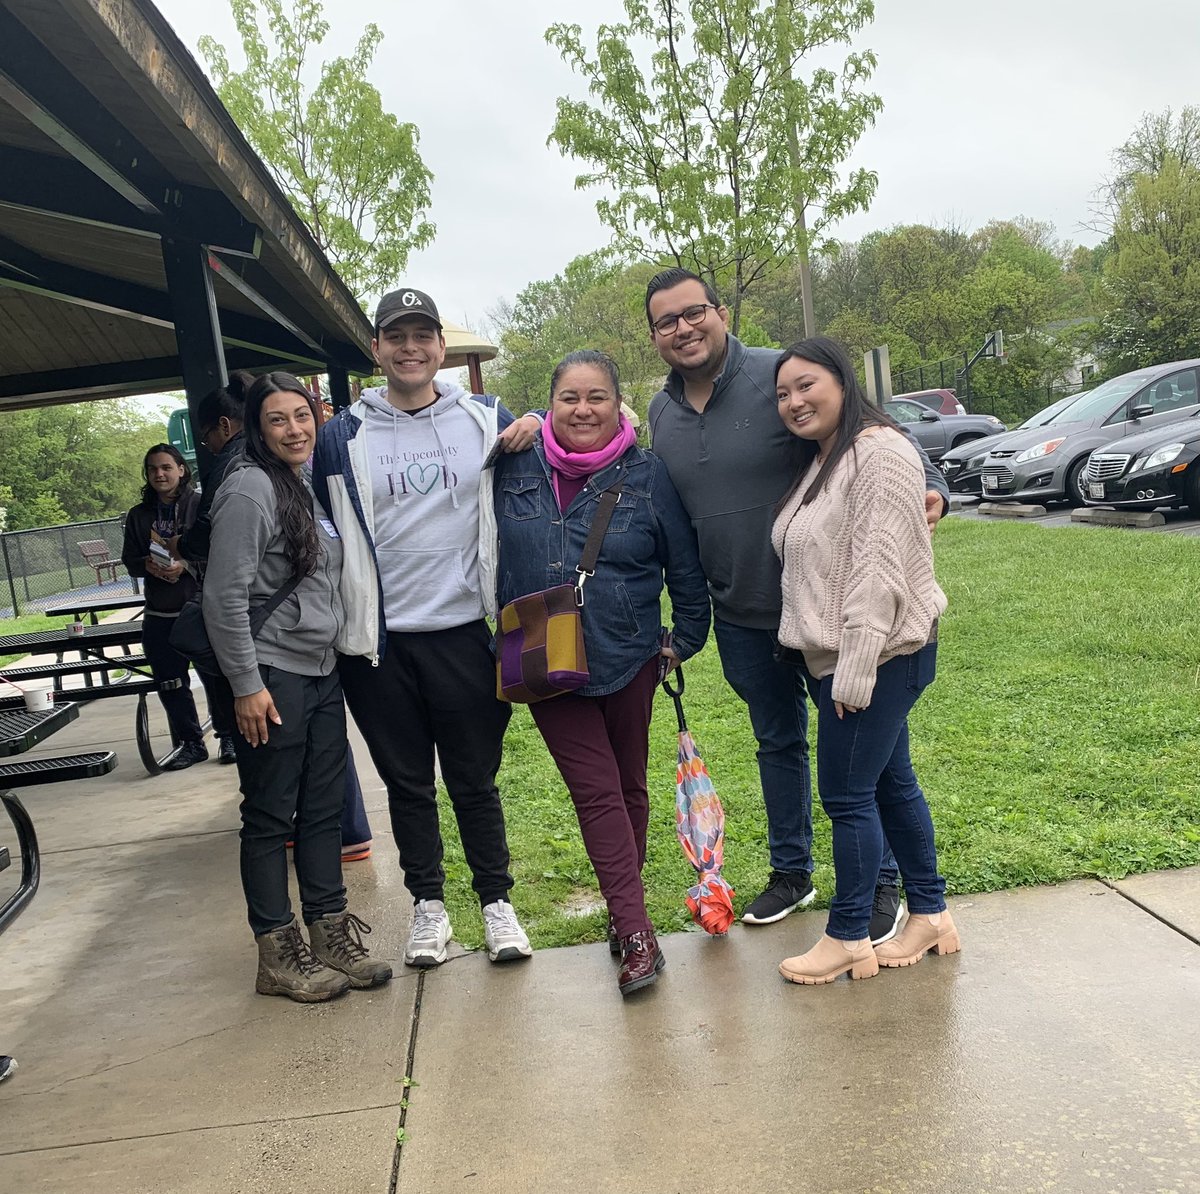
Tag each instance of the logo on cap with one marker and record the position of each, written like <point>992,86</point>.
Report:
<point>409,299</point>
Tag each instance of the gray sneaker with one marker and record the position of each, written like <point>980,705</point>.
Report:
<point>506,940</point>
<point>287,966</point>
<point>337,940</point>
<point>430,933</point>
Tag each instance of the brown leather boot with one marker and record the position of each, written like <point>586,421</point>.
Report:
<point>337,940</point>
<point>921,933</point>
<point>286,966</point>
<point>641,960</point>
<point>829,958</point>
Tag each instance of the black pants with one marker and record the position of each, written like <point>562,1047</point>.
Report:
<point>167,664</point>
<point>437,690</point>
<point>296,781</point>
<point>220,704</point>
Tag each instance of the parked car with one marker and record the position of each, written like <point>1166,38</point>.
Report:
<point>1142,472</point>
<point>1047,462</point>
<point>939,433</point>
<point>945,402</point>
<point>963,466</point>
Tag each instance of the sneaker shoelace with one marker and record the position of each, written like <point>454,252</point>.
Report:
<point>346,938</point>
<point>297,954</point>
<point>504,919</point>
<point>426,926</point>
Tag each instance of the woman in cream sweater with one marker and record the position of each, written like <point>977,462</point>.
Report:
<point>860,606</point>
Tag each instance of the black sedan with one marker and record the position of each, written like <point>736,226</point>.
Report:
<point>1142,472</point>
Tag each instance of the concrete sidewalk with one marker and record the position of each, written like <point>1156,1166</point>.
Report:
<point>1058,1051</point>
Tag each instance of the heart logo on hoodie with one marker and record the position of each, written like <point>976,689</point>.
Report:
<point>423,477</point>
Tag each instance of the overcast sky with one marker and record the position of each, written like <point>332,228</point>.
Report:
<point>990,111</point>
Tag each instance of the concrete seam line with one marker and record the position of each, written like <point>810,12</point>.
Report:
<point>408,1073</point>
<point>1150,912</point>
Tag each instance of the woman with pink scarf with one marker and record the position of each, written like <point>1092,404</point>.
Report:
<point>546,500</point>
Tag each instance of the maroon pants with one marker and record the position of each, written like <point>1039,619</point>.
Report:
<point>600,745</point>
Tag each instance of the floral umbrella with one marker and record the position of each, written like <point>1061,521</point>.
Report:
<point>700,826</point>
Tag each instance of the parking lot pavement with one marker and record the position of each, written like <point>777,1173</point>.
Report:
<point>1058,514</point>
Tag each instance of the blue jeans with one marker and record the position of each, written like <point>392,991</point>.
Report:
<point>867,785</point>
<point>774,692</point>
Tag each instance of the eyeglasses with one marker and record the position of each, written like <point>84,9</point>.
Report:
<point>690,315</point>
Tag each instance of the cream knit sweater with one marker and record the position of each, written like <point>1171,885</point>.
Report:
<point>858,583</point>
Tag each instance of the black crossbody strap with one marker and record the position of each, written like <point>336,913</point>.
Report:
<point>258,619</point>
<point>591,549</point>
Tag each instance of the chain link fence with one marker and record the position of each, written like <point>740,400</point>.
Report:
<point>50,566</point>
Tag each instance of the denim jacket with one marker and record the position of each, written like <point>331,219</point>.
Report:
<point>649,536</point>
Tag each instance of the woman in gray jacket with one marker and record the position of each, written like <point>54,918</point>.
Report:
<point>271,537</point>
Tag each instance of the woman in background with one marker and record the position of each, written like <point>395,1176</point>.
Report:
<point>168,507</point>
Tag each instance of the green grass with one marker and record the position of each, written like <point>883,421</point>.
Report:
<point>1060,740</point>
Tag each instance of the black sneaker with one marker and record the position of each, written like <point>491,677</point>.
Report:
<point>226,753</point>
<point>784,893</point>
<point>189,754</point>
<point>886,913</point>
<point>8,1067</point>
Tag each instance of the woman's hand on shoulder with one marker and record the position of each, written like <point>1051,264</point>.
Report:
<point>252,714</point>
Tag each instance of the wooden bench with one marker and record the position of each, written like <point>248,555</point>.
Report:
<point>95,555</point>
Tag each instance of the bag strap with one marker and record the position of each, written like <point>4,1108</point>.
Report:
<point>591,549</point>
<point>258,619</point>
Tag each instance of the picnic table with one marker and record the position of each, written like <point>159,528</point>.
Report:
<point>93,607</point>
<point>97,668</point>
<point>20,730</point>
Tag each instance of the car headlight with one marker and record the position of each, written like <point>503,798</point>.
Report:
<point>1038,450</point>
<point>1156,459</point>
<point>993,420</point>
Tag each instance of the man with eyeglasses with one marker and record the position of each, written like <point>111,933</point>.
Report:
<point>715,426</point>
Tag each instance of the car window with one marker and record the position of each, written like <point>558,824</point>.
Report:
<point>1047,413</point>
<point>1176,392</point>
<point>905,411</point>
<point>1097,402</point>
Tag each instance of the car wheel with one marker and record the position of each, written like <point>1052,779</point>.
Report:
<point>1074,482</point>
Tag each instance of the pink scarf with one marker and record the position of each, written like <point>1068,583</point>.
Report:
<point>581,465</point>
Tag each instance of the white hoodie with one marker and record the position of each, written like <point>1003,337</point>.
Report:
<point>426,494</point>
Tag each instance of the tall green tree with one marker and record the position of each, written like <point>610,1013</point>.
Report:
<point>352,170</point>
<point>73,463</point>
<point>596,302</point>
<point>1152,276</point>
<point>727,155</point>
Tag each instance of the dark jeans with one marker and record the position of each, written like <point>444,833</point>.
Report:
<point>774,692</point>
<point>296,781</point>
<point>868,788</point>
<point>600,745</point>
<point>356,829</point>
<point>167,664</point>
<point>437,690</point>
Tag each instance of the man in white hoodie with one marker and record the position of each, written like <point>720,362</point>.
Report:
<point>401,473</point>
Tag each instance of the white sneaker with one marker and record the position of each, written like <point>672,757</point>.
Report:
<point>430,932</point>
<point>506,940</point>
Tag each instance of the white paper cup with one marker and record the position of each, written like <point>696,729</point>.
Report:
<point>75,628</point>
<point>38,700</point>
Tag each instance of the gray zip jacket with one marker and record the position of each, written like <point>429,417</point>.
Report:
<point>247,564</point>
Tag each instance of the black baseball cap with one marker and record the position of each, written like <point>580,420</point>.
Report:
<point>398,303</point>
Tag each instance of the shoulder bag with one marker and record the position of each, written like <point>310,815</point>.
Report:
<point>539,637</point>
